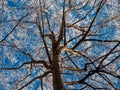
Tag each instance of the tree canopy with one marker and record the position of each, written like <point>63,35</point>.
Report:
<point>59,44</point>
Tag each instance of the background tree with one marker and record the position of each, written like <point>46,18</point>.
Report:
<point>59,44</point>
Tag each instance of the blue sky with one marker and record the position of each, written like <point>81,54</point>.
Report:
<point>28,39</point>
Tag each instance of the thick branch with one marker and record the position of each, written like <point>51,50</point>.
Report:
<point>42,35</point>
<point>62,28</point>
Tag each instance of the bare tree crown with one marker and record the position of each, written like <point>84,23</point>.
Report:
<point>59,45</point>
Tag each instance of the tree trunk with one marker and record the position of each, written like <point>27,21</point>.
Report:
<point>56,72</point>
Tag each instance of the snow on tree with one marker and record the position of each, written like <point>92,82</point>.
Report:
<point>59,44</point>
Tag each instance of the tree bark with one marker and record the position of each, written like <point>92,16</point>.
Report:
<point>56,72</point>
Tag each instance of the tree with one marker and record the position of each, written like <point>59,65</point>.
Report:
<point>59,44</point>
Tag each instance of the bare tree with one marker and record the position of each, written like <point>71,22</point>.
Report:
<point>59,44</point>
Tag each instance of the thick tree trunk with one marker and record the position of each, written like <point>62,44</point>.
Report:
<point>56,72</point>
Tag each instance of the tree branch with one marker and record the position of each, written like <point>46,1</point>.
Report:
<point>38,77</point>
<point>91,24</point>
